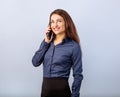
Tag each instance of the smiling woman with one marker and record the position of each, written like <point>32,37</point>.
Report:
<point>59,54</point>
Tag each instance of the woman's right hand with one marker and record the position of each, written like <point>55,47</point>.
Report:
<point>48,29</point>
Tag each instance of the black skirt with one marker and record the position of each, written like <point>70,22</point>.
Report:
<point>55,87</point>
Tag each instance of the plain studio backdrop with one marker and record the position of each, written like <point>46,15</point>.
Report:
<point>22,28</point>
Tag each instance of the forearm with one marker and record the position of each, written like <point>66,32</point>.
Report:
<point>39,55</point>
<point>76,85</point>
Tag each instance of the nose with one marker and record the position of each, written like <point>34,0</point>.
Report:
<point>55,24</point>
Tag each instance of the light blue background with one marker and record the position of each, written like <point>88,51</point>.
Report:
<point>22,27</point>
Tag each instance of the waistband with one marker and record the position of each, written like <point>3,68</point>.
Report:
<point>55,78</point>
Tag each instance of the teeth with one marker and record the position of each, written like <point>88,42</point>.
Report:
<point>56,29</point>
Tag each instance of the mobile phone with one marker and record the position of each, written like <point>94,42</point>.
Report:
<point>50,34</point>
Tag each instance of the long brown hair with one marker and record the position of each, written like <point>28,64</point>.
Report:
<point>70,28</point>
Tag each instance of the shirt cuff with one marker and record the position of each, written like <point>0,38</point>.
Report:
<point>75,95</point>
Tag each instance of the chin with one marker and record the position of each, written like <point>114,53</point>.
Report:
<point>57,33</point>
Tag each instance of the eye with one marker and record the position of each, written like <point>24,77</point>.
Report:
<point>51,22</point>
<point>59,21</point>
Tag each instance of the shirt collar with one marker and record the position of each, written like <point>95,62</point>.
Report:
<point>66,39</point>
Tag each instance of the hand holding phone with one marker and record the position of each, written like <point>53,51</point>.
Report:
<point>49,35</point>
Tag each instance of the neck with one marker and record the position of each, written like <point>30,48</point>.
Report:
<point>59,39</point>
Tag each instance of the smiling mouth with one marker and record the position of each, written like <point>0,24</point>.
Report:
<point>56,29</point>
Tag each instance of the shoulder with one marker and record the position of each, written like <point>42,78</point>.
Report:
<point>75,44</point>
<point>72,44</point>
<point>70,41</point>
<point>76,48</point>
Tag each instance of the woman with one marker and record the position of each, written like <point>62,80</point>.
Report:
<point>59,53</point>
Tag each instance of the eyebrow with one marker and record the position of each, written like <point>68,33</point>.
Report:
<point>57,19</point>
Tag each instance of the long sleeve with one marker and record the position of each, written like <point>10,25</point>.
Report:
<point>39,54</point>
<point>77,71</point>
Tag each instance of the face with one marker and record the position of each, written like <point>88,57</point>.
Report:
<point>57,24</point>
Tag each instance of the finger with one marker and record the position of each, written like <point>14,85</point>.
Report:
<point>48,30</point>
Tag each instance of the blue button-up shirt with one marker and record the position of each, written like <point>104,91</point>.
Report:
<point>59,59</point>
